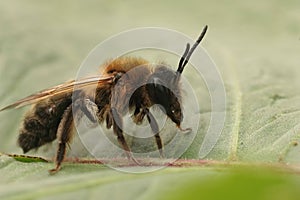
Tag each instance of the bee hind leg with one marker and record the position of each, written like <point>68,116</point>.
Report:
<point>88,108</point>
<point>64,135</point>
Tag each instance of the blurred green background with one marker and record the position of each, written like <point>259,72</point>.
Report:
<point>255,45</point>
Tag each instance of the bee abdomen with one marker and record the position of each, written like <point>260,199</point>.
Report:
<point>41,123</point>
<point>34,134</point>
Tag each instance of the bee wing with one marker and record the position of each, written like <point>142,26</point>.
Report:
<point>59,89</point>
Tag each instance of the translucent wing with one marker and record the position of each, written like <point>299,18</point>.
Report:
<point>60,89</point>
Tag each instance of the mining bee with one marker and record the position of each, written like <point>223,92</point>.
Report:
<point>51,116</point>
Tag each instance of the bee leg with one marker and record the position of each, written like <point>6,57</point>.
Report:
<point>117,124</point>
<point>64,135</point>
<point>88,108</point>
<point>139,116</point>
<point>155,130</point>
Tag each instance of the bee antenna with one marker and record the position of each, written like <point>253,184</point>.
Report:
<point>188,52</point>
<point>184,56</point>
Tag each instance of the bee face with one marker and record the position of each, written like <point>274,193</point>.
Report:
<point>175,112</point>
<point>163,89</point>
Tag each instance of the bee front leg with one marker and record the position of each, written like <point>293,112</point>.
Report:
<point>64,135</point>
<point>155,130</point>
<point>117,124</point>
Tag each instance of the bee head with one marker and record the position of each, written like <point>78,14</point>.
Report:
<point>164,88</point>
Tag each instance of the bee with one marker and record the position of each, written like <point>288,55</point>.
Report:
<point>51,116</point>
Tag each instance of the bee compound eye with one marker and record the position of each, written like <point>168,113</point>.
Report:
<point>175,112</point>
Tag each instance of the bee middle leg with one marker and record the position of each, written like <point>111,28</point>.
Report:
<point>64,135</point>
<point>154,126</point>
<point>117,124</point>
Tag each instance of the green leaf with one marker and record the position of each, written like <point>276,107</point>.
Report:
<point>25,158</point>
<point>255,45</point>
<point>32,181</point>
